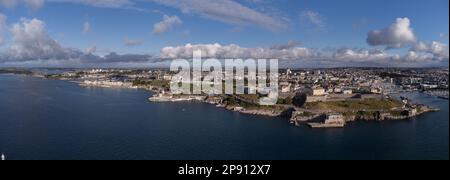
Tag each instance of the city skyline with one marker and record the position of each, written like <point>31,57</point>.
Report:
<point>149,33</point>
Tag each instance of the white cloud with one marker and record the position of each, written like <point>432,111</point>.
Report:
<point>397,35</point>
<point>382,57</point>
<point>30,42</point>
<point>34,4</point>
<point>100,3</point>
<point>32,46</point>
<point>91,50</point>
<point>289,45</point>
<point>37,4</point>
<point>439,50</point>
<point>186,33</point>
<point>413,56</point>
<point>227,11</point>
<point>363,55</point>
<point>2,28</point>
<point>133,42</point>
<point>400,34</point>
<point>236,30</point>
<point>8,3</point>
<point>115,58</point>
<point>313,18</point>
<point>107,3</point>
<point>31,4</point>
<point>87,27</point>
<point>420,46</point>
<point>166,24</point>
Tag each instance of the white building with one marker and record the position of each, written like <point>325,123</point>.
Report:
<point>347,92</point>
<point>319,92</point>
<point>375,90</point>
<point>167,77</point>
<point>286,89</point>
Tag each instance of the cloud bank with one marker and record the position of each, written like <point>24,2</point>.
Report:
<point>434,53</point>
<point>437,49</point>
<point>233,51</point>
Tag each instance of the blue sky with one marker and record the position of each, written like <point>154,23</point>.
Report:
<point>319,26</point>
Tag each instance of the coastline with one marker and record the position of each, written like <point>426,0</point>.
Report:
<point>144,124</point>
<point>258,112</point>
<point>310,121</point>
<point>204,99</point>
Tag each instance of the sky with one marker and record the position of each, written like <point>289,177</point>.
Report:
<point>148,33</point>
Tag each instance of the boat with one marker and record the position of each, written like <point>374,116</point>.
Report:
<point>3,157</point>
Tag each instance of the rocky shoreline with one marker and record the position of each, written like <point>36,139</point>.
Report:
<point>314,121</point>
<point>361,116</point>
<point>259,112</point>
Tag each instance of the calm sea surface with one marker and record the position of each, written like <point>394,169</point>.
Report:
<point>50,119</point>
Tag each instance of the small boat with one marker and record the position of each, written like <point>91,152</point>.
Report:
<point>3,157</point>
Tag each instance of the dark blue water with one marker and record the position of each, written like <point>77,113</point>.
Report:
<point>50,119</point>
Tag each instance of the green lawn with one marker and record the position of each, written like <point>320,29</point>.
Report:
<point>369,104</point>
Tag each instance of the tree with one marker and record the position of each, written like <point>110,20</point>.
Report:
<point>299,99</point>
